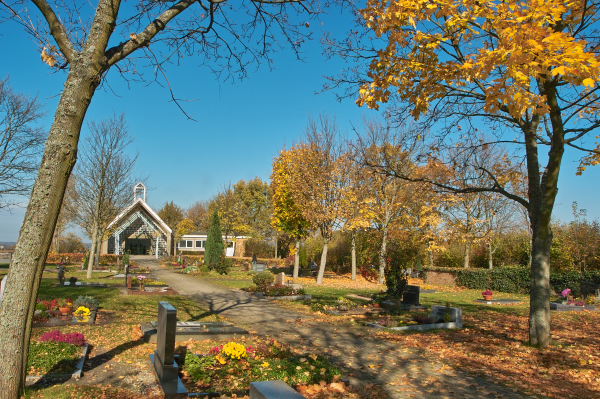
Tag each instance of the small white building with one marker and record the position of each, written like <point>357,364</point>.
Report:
<point>195,242</point>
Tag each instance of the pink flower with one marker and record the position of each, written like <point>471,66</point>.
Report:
<point>566,292</point>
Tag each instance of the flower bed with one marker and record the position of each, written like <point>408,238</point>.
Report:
<point>231,367</point>
<point>82,310</point>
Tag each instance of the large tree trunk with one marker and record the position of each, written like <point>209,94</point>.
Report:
<point>353,255</point>
<point>382,252</point>
<point>467,248</point>
<point>490,256</point>
<point>92,251</point>
<point>323,261</point>
<point>35,237</point>
<point>539,308</point>
<point>296,259</point>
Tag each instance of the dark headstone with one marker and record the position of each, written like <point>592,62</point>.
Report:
<point>164,355</point>
<point>410,295</point>
<point>587,288</point>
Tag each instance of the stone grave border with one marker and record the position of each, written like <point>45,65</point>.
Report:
<point>168,291</point>
<point>150,332</point>
<point>435,310</point>
<point>90,322</point>
<point>500,301</point>
<point>260,295</point>
<point>75,374</point>
<point>559,307</point>
<point>83,284</point>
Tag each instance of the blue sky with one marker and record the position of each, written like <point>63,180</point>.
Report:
<point>240,127</point>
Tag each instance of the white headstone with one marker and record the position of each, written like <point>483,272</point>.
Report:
<point>2,285</point>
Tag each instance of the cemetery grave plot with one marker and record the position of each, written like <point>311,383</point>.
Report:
<point>65,311</point>
<point>57,356</point>
<point>195,331</point>
<point>230,368</point>
<point>146,285</point>
<point>272,287</point>
<point>499,301</point>
<point>440,317</point>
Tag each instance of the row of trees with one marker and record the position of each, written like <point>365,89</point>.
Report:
<point>328,184</point>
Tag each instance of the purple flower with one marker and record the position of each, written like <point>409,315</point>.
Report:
<point>566,292</point>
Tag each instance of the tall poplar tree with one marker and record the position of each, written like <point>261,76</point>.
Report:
<point>214,243</point>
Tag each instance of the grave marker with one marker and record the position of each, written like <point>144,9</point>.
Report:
<point>259,267</point>
<point>438,312</point>
<point>410,296</point>
<point>164,355</point>
<point>280,279</point>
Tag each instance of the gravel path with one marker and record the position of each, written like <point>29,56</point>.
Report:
<point>376,366</point>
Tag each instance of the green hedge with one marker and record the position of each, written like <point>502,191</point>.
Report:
<point>516,279</point>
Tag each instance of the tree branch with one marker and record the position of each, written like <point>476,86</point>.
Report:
<point>56,29</point>
<point>117,53</point>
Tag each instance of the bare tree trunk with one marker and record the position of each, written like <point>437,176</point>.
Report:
<point>92,251</point>
<point>382,252</point>
<point>353,255</point>
<point>467,248</point>
<point>275,247</point>
<point>296,259</point>
<point>323,261</point>
<point>490,256</point>
<point>35,237</point>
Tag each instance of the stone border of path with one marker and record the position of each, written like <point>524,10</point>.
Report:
<point>75,374</point>
<point>82,284</point>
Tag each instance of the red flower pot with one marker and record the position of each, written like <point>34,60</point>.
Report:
<point>65,310</point>
<point>487,297</point>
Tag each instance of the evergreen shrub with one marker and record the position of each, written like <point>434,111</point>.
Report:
<point>263,279</point>
<point>214,248</point>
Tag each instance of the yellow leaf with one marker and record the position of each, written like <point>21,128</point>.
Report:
<point>588,82</point>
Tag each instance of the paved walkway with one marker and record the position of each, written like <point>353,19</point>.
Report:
<point>369,363</point>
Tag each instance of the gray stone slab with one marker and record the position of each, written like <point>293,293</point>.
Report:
<point>419,327</point>
<point>559,307</point>
<point>498,301</point>
<point>273,390</point>
<point>438,312</point>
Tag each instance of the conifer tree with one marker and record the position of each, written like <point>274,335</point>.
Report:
<point>214,243</point>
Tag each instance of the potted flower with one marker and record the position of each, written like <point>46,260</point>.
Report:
<point>65,305</point>
<point>141,280</point>
<point>565,293</point>
<point>487,295</point>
